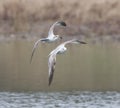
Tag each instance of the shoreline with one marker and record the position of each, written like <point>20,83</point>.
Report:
<point>40,30</point>
<point>32,19</point>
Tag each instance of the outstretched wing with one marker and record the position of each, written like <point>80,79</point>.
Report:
<point>52,57</point>
<point>75,41</point>
<point>50,33</point>
<point>51,65</point>
<point>33,50</point>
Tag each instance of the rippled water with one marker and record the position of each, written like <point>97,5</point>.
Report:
<point>74,99</point>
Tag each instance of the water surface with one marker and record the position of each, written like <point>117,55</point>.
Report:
<point>74,99</point>
<point>82,67</point>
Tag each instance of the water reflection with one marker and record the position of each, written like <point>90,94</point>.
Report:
<point>85,67</point>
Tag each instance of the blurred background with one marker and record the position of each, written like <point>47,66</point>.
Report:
<point>33,18</point>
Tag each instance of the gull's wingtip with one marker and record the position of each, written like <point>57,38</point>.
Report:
<point>50,80</point>
<point>82,42</point>
<point>31,60</point>
<point>32,55</point>
<point>49,84</point>
<point>34,48</point>
<point>62,23</point>
<point>51,74</point>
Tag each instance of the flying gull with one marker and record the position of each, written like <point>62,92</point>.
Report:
<point>59,50</point>
<point>51,37</point>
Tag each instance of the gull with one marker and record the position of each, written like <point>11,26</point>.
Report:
<point>58,50</point>
<point>51,36</point>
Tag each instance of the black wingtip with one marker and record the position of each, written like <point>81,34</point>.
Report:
<point>62,23</point>
<point>32,55</point>
<point>51,76</point>
<point>83,42</point>
<point>50,80</point>
<point>49,84</point>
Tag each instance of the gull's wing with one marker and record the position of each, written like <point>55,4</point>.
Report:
<point>33,50</point>
<point>50,33</point>
<point>52,62</point>
<point>52,57</point>
<point>56,50</point>
<point>51,65</point>
<point>75,41</point>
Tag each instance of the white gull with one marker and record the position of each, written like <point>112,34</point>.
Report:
<point>59,50</point>
<point>51,36</point>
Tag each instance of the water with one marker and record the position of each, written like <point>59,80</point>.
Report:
<point>74,99</point>
<point>84,67</point>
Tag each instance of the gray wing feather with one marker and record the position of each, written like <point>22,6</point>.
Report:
<point>51,65</point>
<point>33,50</point>
<point>50,33</point>
<point>75,41</point>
